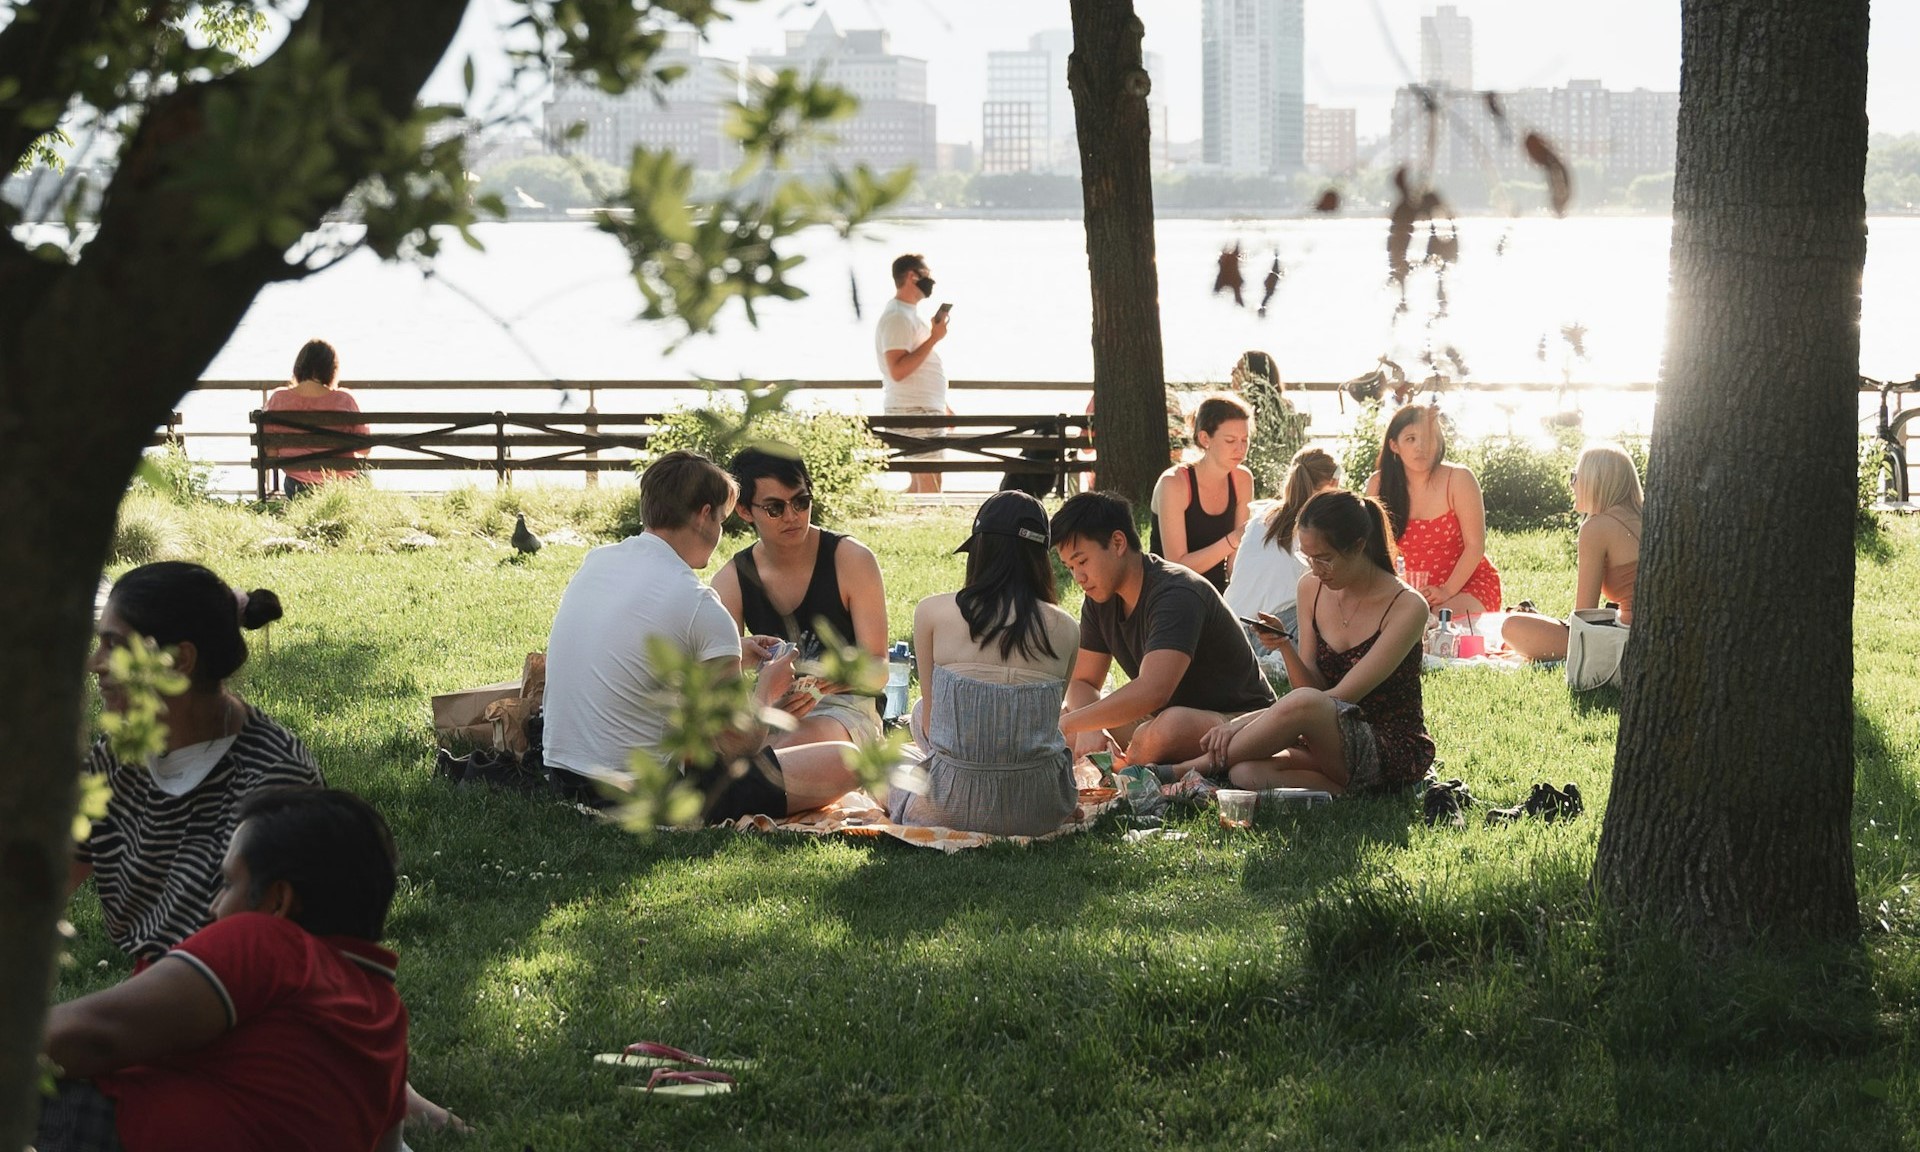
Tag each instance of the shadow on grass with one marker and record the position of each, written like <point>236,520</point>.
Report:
<point>1306,851</point>
<point>1597,702</point>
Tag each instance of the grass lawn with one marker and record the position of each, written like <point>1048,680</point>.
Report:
<point>1347,979</point>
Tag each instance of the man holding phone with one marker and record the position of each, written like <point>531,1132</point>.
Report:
<point>912,380</point>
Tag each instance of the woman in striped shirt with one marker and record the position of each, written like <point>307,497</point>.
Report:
<point>155,855</point>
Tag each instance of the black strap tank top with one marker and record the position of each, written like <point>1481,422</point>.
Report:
<point>1203,527</point>
<point>822,601</point>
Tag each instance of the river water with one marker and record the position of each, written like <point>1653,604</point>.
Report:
<point>556,302</point>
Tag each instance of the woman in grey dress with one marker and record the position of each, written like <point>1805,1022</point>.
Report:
<point>994,659</point>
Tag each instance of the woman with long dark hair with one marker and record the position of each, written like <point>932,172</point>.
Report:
<point>1439,519</point>
<point>993,660</point>
<point>1354,721</point>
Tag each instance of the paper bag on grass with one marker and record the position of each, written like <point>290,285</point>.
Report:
<point>460,718</point>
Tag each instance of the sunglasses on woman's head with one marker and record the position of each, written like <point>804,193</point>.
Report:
<point>777,509</point>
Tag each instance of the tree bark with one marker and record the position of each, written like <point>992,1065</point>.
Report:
<point>1729,821</point>
<point>1109,83</point>
<point>92,357</point>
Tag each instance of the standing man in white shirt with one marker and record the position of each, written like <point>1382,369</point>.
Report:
<point>912,381</point>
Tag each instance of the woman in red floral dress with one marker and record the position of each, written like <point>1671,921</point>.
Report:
<point>1438,518</point>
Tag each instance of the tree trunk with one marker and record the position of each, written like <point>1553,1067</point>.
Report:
<point>92,357</point>
<point>1110,84</point>
<point>1729,820</point>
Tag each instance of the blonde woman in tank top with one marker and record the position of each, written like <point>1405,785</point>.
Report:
<point>1606,491</point>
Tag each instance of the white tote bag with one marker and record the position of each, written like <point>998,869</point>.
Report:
<point>1596,640</point>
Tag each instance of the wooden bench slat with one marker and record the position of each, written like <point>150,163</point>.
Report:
<point>1056,444</point>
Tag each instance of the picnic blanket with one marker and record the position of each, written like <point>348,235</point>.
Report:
<point>859,814</point>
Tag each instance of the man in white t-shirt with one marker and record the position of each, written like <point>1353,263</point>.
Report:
<point>912,382</point>
<point>604,699</point>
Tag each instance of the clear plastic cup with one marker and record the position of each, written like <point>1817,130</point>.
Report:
<point>1417,581</point>
<point>1237,807</point>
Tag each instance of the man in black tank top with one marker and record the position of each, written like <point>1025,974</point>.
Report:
<point>804,584</point>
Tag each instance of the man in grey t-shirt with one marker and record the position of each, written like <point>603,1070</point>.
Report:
<point>1188,660</point>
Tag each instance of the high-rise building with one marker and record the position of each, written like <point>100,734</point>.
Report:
<point>1063,147</point>
<point>1646,126</point>
<point>1331,139</point>
<point>1624,134</point>
<point>1446,49</point>
<point>688,115</point>
<point>895,123</point>
<point>1010,141</point>
<point>1037,77</point>
<point>1016,121</point>
<point>1253,84</point>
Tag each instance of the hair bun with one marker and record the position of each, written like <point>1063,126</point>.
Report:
<point>262,609</point>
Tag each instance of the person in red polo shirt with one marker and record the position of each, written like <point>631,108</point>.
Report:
<point>277,1026</point>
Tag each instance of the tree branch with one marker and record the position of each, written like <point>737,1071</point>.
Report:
<point>150,265</point>
<point>34,52</point>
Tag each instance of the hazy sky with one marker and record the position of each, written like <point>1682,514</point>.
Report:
<point>1358,51</point>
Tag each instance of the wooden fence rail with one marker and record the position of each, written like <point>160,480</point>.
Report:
<point>1053,446</point>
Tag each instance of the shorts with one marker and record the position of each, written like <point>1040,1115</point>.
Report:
<point>1362,750</point>
<point>751,787</point>
<point>78,1117</point>
<point>859,715</point>
<point>923,433</point>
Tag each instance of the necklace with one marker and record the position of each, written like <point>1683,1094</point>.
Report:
<point>1347,617</point>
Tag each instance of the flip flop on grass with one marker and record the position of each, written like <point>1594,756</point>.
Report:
<point>685,1083</point>
<point>651,1054</point>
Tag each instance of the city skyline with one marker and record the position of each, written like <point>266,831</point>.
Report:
<point>1356,57</point>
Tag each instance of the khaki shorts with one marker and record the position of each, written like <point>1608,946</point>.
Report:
<point>859,715</point>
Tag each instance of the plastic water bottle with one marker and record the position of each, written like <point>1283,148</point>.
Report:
<point>1446,642</point>
<point>1400,567</point>
<point>899,672</point>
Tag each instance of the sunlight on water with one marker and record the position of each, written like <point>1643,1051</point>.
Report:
<point>555,302</point>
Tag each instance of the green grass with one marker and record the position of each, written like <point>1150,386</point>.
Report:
<point>1347,979</point>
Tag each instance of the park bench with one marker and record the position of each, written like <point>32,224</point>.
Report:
<point>1054,446</point>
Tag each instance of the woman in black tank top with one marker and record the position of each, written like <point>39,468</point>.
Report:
<point>1207,541</point>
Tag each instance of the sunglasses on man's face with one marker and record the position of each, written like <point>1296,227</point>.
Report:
<point>777,509</point>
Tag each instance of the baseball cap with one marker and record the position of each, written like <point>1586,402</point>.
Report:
<point>1009,514</point>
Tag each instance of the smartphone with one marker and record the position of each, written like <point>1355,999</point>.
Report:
<point>1261,625</point>
<point>941,314</point>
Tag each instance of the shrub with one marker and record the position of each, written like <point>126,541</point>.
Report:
<point>147,530</point>
<point>1359,449</point>
<point>169,472</point>
<point>1279,431</point>
<point>1524,487</point>
<point>842,456</point>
